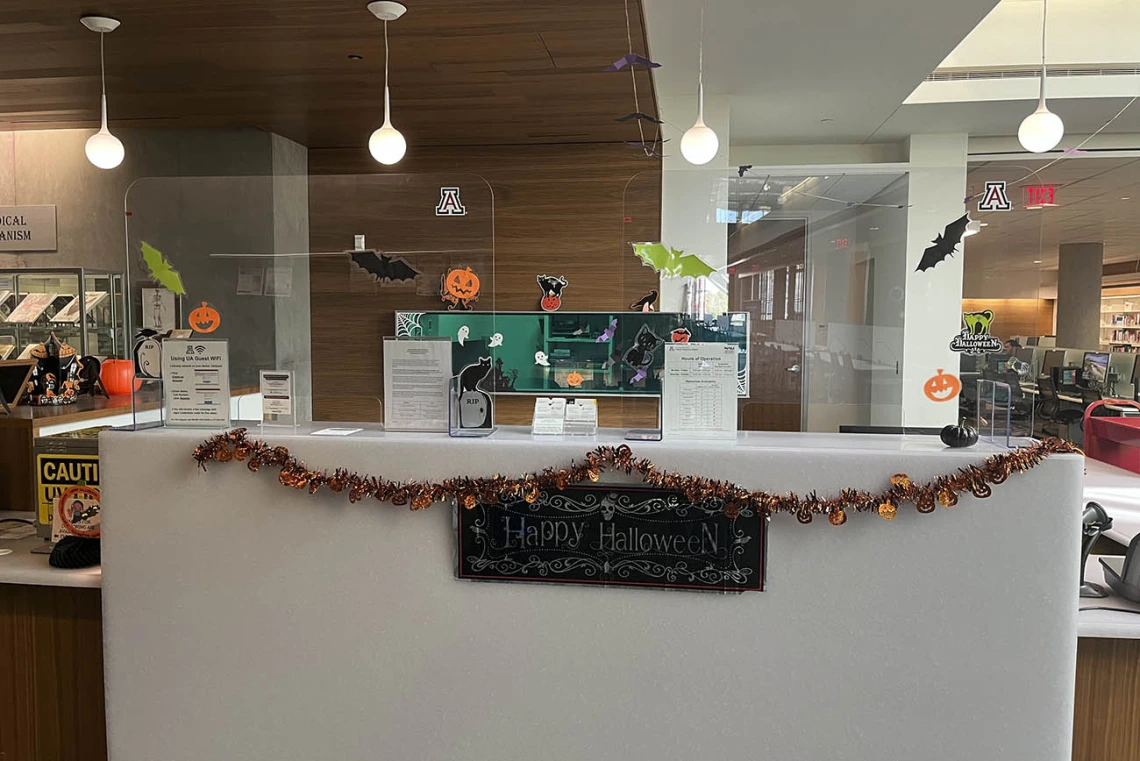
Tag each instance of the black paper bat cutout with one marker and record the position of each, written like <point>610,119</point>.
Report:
<point>945,244</point>
<point>640,116</point>
<point>384,269</point>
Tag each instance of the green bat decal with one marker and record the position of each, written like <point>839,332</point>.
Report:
<point>160,269</point>
<point>670,262</point>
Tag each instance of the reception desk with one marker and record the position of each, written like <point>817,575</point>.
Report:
<point>243,619</point>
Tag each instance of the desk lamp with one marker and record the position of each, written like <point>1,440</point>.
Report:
<point>1094,523</point>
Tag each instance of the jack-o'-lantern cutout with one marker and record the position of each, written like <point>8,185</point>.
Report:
<point>680,336</point>
<point>942,388</point>
<point>574,379</point>
<point>205,319</point>
<point>460,288</point>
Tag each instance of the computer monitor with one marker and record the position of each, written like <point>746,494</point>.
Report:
<point>1053,358</point>
<point>1067,376</point>
<point>1095,367</point>
<point>1032,340</point>
<point>1025,355</point>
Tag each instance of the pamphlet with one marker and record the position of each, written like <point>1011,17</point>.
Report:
<point>699,390</point>
<point>276,394</point>
<point>70,313</point>
<point>549,416</point>
<point>250,281</point>
<point>196,383</point>
<point>31,307</point>
<point>582,417</point>
<point>416,376</point>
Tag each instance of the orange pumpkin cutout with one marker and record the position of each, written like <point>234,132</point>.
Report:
<point>574,379</point>
<point>205,319</point>
<point>942,388</point>
<point>460,288</point>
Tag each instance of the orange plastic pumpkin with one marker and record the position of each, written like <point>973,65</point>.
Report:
<point>205,319</point>
<point>942,388</point>
<point>118,376</point>
<point>574,379</point>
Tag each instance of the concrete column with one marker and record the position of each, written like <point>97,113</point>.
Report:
<point>1078,295</point>
<point>687,219</point>
<point>933,311</point>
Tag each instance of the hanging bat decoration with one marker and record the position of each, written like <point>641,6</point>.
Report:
<point>384,269</point>
<point>161,270</point>
<point>645,303</point>
<point>670,262</point>
<point>945,244</point>
<point>639,116</point>
<point>608,333</point>
<point>632,59</point>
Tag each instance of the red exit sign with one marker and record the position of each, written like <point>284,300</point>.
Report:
<point>842,243</point>
<point>1038,196</point>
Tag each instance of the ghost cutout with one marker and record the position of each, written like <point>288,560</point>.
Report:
<point>540,358</point>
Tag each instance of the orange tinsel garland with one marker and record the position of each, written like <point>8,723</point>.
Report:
<point>943,490</point>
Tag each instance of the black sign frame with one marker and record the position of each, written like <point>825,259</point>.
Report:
<point>613,536</point>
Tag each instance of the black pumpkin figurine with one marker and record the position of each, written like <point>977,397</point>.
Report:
<point>959,436</point>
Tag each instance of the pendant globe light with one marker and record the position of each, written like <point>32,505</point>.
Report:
<point>103,149</point>
<point>387,145</point>
<point>700,144</point>
<point>1042,129</point>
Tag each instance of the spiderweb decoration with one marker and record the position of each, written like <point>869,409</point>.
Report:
<point>408,325</point>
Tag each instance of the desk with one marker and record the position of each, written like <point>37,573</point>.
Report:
<point>301,626</point>
<point>1031,390</point>
<point>51,656</point>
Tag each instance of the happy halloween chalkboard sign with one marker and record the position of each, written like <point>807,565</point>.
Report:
<point>613,536</point>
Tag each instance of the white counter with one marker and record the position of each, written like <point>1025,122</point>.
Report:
<point>20,566</point>
<point>1097,620</point>
<point>299,627</point>
<point>1118,492</point>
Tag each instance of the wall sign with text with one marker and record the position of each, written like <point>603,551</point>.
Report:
<point>27,228</point>
<point>975,339</point>
<point>614,536</point>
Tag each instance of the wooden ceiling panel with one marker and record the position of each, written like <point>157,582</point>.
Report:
<point>487,72</point>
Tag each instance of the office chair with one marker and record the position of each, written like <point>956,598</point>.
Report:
<point>1055,419</point>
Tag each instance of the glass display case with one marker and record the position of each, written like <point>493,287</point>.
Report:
<point>83,307</point>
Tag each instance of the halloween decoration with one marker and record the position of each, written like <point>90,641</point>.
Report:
<point>632,59</point>
<point>204,319</point>
<point>460,288</point>
<point>118,377</point>
<point>161,270</point>
<point>476,408</point>
<point>608,333</point>
<point>89,383</point>
<point>462,333</point>
<point>639,116</point>
<point>641,374</point>
<point>496,341</point>
<point>551,292</point>
<point>959,436</point>
<point>469,492</point>
<point>945,244</point>
<point>574,379</point>
<point>148,353</point>
<point>975,339</point>
<point>540,358</point>
<point>503,381</point>
<point>941,388</point>
<point>670,262</point>
<point>680,336</point>
<point>384,269</point>
<point>644,345</point>
<point>645,303</point>
<point>55,378</point>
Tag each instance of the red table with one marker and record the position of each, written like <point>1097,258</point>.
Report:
<point>1115,440</point>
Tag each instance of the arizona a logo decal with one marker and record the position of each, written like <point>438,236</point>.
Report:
<point>995,198</point>
<point>449,203</point>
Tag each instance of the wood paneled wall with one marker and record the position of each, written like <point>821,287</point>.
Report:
<point>51,674</point>
<point>1106,726</point>
<point>558,210</point>
<point>1015,317</point>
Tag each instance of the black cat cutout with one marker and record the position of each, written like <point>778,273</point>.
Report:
<point>471,376</point>
<point>644,345</point>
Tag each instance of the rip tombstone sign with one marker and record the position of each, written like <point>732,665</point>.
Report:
<point>615,536</point>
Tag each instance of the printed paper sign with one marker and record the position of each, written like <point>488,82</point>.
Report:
<point>975,339</point>
<point>196,383</point>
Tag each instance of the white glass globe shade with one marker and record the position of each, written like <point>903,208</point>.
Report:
<point>104,150</point>
<point>387,145</point>
<point>700,144</point>
<point>1041,131</point>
